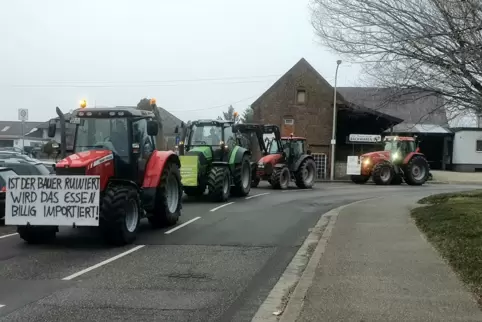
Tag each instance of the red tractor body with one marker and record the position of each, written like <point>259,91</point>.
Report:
<point>136,180</point>
<point>399,161</point>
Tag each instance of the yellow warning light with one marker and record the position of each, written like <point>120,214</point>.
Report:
<point>291,134</point>
<point>235,114</point>
<point>83,103</point>
<point>153,101</point>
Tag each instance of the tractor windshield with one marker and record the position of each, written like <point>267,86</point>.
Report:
<point>297,146</point>
<point>205,135</point>
<point>102,134</point>
<point>403,146</point>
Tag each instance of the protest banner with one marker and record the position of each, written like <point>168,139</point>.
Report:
<point>52,200</point>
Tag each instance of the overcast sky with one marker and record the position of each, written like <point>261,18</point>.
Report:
<point>195,57</point>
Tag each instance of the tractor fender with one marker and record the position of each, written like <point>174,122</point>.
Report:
<point>156,165</point>
<point>237,155</point>
<point>219,164</point>
<point>300,160</point>
<point>124,182</point>
<point>410,156</point>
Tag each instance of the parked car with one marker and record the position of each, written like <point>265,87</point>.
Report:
<point>4,174</point>
<point>24,166</point>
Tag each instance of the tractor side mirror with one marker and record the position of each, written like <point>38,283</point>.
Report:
<point>152,128</point>
<point>52,128</point>
<point>308,152</point>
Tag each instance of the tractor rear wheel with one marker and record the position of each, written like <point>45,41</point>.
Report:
<point>305,176</point>
<point>37,234</point>
<point>219,184</point>
<point>280,178</point>
<point>120,209</point>
<point>167,209</point>
<point>242,178</point>
<point>417,171</point>
<point>383,173</point>
<point>360,179</point>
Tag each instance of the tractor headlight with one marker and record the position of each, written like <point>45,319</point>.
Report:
<point>396,156</point>
<point>260,165</point>
<point>366,162</point>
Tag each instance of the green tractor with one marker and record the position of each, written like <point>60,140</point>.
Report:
<point>211,157</point>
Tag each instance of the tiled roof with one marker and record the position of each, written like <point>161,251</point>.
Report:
<point>13,129</point>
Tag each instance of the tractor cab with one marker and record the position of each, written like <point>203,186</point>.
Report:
<point>399,147</point>
<point>124,135</point>
<point>210,137</point>
<point>292,148</point>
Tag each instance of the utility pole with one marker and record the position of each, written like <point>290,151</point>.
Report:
<point>333,131</point>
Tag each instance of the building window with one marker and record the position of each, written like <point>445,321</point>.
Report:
<point>289,121</point>
<point>301,96</point>
<point>478,146</point>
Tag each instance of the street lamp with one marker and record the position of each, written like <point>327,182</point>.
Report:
<point>333,131</point>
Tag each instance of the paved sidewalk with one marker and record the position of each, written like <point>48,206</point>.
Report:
<point>377,267</point>
<point>456,177</point>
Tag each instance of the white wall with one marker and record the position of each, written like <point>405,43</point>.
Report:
<point>464,147</point>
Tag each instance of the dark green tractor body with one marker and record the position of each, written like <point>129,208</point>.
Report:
<point>212,158</point>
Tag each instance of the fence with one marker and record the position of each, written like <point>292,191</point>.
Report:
<point>321,161</point>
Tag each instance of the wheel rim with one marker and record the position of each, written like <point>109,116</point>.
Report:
<point>172,194</point>
<point>418,173</point>
<point>285,175</point>
<point>308,174</point>
<point>385,174</point>
<point>132,216</point>
<point>245,175</point>
<point>226,184</point>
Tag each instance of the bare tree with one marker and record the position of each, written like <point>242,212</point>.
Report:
<point>429,46</point>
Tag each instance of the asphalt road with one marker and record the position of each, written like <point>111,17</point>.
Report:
<point>218,264</point>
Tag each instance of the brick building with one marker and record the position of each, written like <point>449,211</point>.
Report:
<point>301,102</point>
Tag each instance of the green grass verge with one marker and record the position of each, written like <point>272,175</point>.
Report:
<point>453,224</point>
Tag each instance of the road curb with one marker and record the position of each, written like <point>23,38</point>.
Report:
<point>285,300</point>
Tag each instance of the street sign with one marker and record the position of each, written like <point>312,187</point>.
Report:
<point>23,114</point>
<point>365,138</point>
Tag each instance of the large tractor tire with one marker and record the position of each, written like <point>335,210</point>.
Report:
<point>219,184</point>
<point>168,205</point>
<point>280,178</point>
<point>417,171</point>
<point>383,173</point>
<point>37,234</point>
<point>305,176</point>
<point>242,178</point>
<point>360,179</point>
<point>121,213</point>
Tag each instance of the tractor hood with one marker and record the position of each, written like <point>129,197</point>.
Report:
<point>83,159</point>
<point>377,155</point>
<point>271,158</point>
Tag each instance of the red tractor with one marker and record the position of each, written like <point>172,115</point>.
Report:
<point>284,160</point>
<point>399,161</point>
<point>136,180</point>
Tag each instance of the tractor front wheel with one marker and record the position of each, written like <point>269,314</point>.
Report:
<point>383,173</point>
<point>120,209</point>
<point>37,234</point>
<point>242,178</point>
<point>168,205</point>
<point>360,179</point>
<point>305,176</point>
<point>417,171</point>
<point>219,184</point>
<point>280,178</point>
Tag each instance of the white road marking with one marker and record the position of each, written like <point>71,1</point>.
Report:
<point>182,225</point>
<point>9,235</point>
<point>226,204</point>
<point>296,190</point>
<point>258,195</point>
<point>107,261</point>
<point>2,305</point>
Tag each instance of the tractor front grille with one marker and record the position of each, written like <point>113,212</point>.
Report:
<point>70,171</point>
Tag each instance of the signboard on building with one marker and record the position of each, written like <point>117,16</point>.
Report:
<point>353,165</point>
<point>365,138</point>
